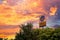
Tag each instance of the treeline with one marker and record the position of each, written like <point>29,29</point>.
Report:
<point>28,33</point>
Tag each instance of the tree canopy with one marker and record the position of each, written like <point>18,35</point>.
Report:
<point>28,33</point>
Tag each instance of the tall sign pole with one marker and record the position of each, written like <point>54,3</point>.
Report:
<point>42,22</point>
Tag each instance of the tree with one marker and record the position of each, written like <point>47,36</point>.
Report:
<point>56,34</point>
<point>1,38</point>
<point>6,39</point>
<point>25,33</point>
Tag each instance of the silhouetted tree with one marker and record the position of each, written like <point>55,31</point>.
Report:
<point>1,38</point>
<point>6,39</point>
<point>12,39</point>
<point>25,33</point>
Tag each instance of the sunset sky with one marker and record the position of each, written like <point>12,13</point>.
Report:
<point>16,12</point>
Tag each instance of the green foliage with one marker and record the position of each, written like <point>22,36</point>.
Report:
<point>1,38</point>
<point>27,33</point>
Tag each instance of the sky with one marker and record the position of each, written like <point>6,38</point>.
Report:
<point>16,12</point>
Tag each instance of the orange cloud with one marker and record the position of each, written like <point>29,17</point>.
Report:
<point>8,32</point>
<point>53,10</point>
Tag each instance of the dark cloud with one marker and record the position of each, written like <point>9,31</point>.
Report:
<point>1,1</point>
<point>58,14</point>
<point>53,20</point>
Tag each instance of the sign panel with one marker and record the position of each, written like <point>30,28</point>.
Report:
<point>42,22</point>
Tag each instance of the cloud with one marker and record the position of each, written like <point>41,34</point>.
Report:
<point>1,1</point>
<point>8,26</point>
<point>8,32</point>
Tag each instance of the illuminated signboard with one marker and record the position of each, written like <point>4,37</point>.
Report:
<point>42,22</point>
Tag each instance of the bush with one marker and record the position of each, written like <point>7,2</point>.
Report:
<point>28,33</point>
